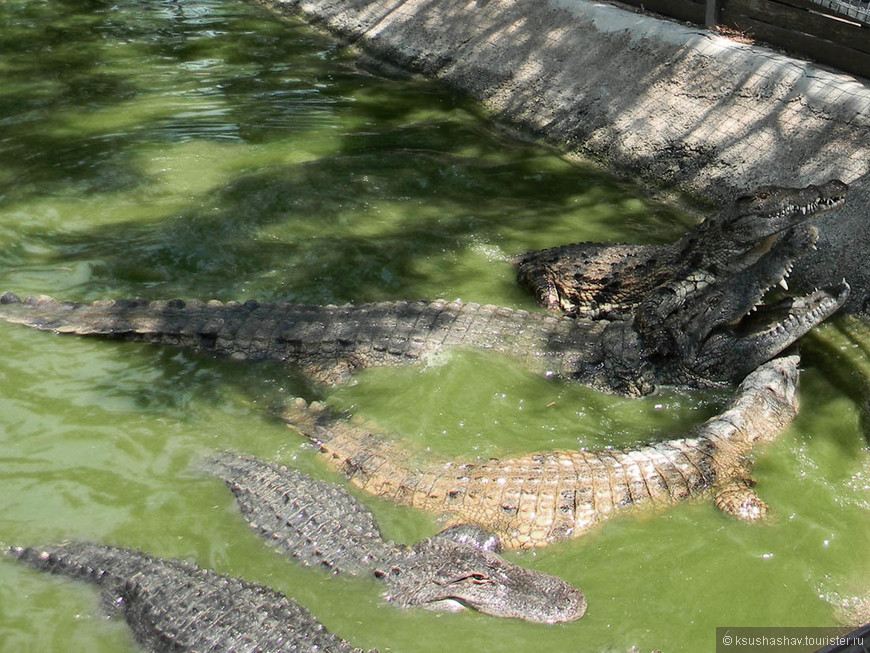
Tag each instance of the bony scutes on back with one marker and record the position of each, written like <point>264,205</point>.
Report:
<point>321,524</point>
<point>175,603</point>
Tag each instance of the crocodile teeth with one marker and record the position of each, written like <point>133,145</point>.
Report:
<point>783,284</point>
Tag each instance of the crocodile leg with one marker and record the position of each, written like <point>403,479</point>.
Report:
<point>739,499</point>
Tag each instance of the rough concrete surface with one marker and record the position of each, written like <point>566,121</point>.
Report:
<point>674,106</point>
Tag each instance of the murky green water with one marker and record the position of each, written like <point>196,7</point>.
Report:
<point>204,149</point>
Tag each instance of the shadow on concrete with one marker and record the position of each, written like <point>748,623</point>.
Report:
<point>675,106</point>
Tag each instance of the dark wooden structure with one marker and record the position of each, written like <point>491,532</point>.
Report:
<point>826,34</point>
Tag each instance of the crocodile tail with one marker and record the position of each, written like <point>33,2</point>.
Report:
<point>328,343</point>
<point>194,324</point>
<point>175,606</point>
<point>313,521</point>
<point>763,406</point>
<point>366,456</point>
<point>100,565</point>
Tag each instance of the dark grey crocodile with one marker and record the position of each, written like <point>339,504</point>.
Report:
<point>533,500</point>
<point>175,606</point>
<point>607,280</point>
<point>320,524</point>
<point>689,331</point>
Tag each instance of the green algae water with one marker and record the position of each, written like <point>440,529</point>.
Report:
<point>205,149</point>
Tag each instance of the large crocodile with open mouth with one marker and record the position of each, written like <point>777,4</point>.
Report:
<point>598,280</point>
<point>694,329</point>
<point>683,331</point>
<point>533,500</point>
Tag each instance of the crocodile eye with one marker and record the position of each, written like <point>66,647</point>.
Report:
<point>477,579</point>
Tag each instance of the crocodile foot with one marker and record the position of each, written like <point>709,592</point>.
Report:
<point>739,499</point>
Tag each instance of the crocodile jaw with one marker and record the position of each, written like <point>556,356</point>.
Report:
<point>731,301</point>
<point>768,212</point>
<point>798,316</point>
<point>439,574</point>
<point>736,352</point>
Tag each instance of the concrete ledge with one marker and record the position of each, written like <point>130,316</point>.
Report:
<point>672,105</point>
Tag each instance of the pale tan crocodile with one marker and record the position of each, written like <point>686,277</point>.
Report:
<point>533,500</point>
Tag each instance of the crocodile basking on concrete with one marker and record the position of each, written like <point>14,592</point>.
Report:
<point>173,605</point>
<point>320,524</point>
<point>598,280</point>
<point>536,499</point>
<point>695,330</point>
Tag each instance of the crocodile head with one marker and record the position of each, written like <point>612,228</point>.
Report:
<point>716,329</point>
<point>730,353</point>
<point>605,281</point>
<point>460,567</point>
<point>744,231</point>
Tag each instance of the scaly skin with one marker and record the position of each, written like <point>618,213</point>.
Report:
<point>326,342</point>
<point>605,281</point>
<point>688,330</point>
<point>330,343</point>
<point>533,500</point>
<point>320,524</point>
<point>175,606</point>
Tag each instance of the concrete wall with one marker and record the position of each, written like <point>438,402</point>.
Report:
<point>672,105</point>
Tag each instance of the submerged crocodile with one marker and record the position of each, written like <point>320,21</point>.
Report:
<point>320,524</point>
<point>694,330</point>
<point>608,280</point>
<point>533,500</point>
<point>173,605</point>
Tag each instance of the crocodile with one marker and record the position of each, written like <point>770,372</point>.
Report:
<point>321,524</point>
<point>608,280</point>
<point>694,330</point>
<point>532,500</point>
<point>175,605</point>
<point>172,605</point>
